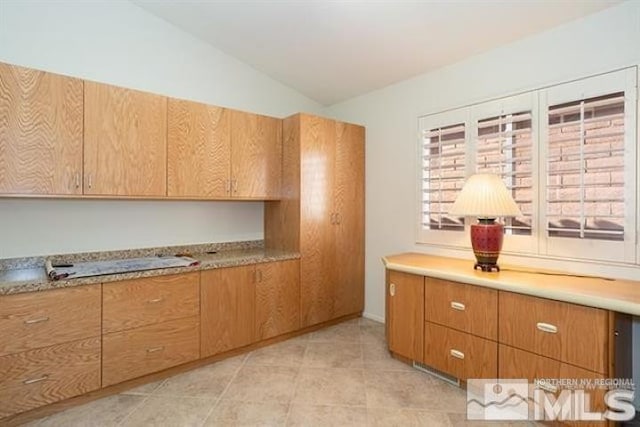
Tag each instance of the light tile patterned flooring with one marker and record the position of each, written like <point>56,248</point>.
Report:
<point>338,376</point>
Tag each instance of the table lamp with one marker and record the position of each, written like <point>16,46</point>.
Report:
<point>485,197</point>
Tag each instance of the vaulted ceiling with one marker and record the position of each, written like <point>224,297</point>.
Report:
<point>335,50</point>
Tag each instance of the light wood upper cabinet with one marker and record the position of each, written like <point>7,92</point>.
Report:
<point>125,142</point>
<point>227,309</point>
<point>40,132</point>
<point>277,298</point>
<point>256,155</point>
<point>349,219</point>
<point>198,150</point>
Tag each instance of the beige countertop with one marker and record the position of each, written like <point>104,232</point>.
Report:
<point>19,280</point>
<point>618,295</point>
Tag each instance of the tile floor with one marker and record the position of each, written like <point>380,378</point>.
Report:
<point>338,376</point>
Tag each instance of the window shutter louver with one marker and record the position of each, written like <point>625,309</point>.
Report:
<point>585,164</point>
<point>504,148</point>
<point>443,173</point>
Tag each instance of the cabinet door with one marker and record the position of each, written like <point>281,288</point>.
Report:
<point>256,155</point>
<point>317,233</point>
<point>198,150</point>
<point>125,144</point>
<point>405,296</point>
<point>40,132</point>
<point>349,219</point>
<point>227,309</point>
<point>277,298</point>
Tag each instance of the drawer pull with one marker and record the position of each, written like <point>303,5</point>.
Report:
<point>155,300</point>
<point>547,327</point>
<point>36,380</point>
<point>457,354</point>
<point>392,289</point>
<point>457,306</point>
<point>155,349</point>
<point>547,387</point>
<point>37,320</point>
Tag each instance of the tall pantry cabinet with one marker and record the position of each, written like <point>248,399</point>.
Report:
<point>321,214</point>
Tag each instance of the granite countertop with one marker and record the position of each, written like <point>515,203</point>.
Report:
<point>612,294</point>
<point>33,278</point>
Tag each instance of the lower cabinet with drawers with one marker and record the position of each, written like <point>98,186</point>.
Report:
<point>58,344</point>
<point>469,331</point>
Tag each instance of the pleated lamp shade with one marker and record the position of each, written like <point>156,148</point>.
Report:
<point>484,195</point>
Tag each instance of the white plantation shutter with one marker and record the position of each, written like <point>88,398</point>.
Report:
<point>443,173</point>
<point>585,185</point>
<point>589,149</point>
<point>504,147</point>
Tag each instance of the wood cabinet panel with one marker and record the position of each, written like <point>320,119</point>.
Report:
<point>317,235</point>
<point>459,354</point>
<point>125,142</point>
<point>134,303</point>
<point>256,155</point>
<point>227,309</point>
<point>41,319</point>
<point>38,377</point>
<point>349,219</point>
<point>277,298</point>
<point>137,352</point>
<point>567,332</point>
<point>198,150</point>
<point>517,364</point>
<point>467,308</point>
<point>405,296</point>
<point>41,129</point>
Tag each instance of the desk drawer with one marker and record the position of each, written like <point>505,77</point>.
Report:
<point>566,332</point>
<point>140,302</point>
<point>467,308</point>
<point>137,352</point>
<point>518,364</point>
<point>42,319</point>
<point>38,377</point>
<point>459,354</point>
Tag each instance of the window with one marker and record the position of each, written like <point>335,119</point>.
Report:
<point>567,153</point>
<point>589,161</point>
<point>443,154</point>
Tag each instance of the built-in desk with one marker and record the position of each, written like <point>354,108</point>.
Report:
<point>516,323</point>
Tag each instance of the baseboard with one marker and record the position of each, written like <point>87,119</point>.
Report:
<point>373,317</point>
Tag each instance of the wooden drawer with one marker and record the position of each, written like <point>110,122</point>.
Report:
<point>566,332</point>
<point>38,377</point>
<point>467,308</point>
<point>42,319</point>
<point>459,354</point>
<point>518,364</point>
<point>134,303</point>
<point>141,351</point>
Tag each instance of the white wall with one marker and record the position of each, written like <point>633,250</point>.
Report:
<point>117,42</point>
<point>597,43</point>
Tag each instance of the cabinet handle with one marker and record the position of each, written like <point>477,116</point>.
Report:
<point>457,306</point>
<point>35,380</point>
<point>235,185</point>
<point>547,327</point>
<point>155,300</point>
<point>155,349</point>
<point>392,289</point>
<point>37,320</point>
<point>90,179</point>
<point>337,218</point>
<point>457,354</point>
<point>547,387</point>
<point>77,177</point>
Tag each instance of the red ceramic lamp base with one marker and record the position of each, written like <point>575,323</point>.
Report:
<point>486,241</point>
